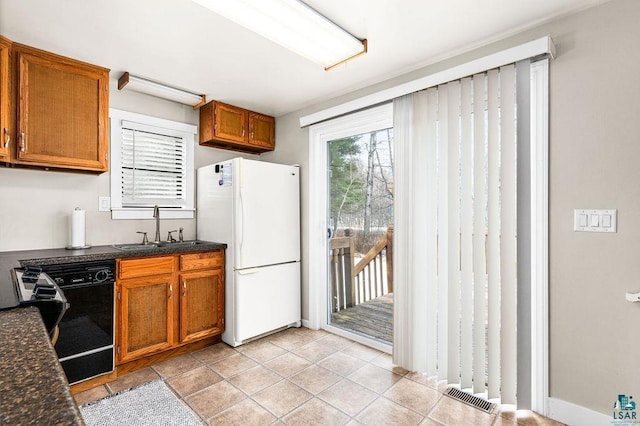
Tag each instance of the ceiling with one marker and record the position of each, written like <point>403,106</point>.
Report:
<point>182,44</point>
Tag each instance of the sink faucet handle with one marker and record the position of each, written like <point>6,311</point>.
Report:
<point>180,235</point>
<point>145,240</point>
<point>170,238</point>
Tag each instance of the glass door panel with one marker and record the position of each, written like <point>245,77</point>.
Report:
<point>360,220</point>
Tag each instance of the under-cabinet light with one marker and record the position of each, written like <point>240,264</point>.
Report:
<point>159,90</point>
<point>294,25</point>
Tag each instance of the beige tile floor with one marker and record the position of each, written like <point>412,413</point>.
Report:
<point>306,377</point>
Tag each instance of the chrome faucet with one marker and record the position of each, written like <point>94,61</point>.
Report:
<point>156,215</point>
<point>145,240</point>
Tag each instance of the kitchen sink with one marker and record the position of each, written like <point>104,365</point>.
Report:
<point>150,246</point>
<point>182,243</point>
<point>127,247</point>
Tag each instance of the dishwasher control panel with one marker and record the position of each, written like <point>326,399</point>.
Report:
<point>77,274</point>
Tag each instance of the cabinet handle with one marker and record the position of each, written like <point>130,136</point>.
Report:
<point>6,141</point>
<point>243,132</point>
<point>170,290</point>
<point>23,143</point>
<point>184,285</point>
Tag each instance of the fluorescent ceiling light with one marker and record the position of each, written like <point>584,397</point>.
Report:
<point>294,25</point>
<point>159,90</point>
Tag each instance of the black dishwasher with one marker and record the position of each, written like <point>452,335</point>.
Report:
<point>86,340</point>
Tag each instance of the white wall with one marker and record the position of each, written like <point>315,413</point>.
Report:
<point>594,163</point>
<point>36,204</point>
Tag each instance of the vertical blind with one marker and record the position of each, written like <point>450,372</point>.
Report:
<point>153,168</point>
<point>456,214</point>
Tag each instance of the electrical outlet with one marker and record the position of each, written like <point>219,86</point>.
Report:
<point>104,204</point>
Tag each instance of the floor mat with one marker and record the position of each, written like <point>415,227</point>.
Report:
<point>149,404</point>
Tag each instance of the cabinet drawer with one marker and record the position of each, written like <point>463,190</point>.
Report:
<point>130,268</point>
<point>189,262</point>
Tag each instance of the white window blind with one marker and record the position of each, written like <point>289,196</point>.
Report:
<point>458,141</point>
<point>151,164</point>
<point>153,168</point>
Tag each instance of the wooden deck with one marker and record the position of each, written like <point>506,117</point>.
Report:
<point>373,318</point>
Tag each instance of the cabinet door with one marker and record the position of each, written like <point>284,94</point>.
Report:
<point>62,112</point>
<point>145,316</point>
<point>262,130</point>
<point>5,129</point>
<point>201,304</point>
<point>230,123</point>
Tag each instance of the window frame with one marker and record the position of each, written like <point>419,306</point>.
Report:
<point>173,128</point>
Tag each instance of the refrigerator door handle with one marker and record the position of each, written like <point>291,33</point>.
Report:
<point>241,230</point>
<point>248,271</point>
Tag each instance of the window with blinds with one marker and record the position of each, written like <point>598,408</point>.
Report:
<point>151,164</point>
<point>153,168</point>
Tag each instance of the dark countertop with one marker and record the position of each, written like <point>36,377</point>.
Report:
<point>33,387</point>
<point>16,259</point>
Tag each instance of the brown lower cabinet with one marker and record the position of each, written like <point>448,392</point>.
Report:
<point>164,302</point>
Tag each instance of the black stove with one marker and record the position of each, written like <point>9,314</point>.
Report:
<point>38,289</point>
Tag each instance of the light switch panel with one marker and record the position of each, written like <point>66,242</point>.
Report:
<point>589,220</point>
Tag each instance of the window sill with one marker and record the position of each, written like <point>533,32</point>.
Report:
<point>146,213</point>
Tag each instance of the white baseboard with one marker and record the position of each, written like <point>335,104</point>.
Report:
<point>575,415</point>
<point>305,323</point>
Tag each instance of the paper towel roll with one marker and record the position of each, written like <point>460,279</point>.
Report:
<point>77,227</point>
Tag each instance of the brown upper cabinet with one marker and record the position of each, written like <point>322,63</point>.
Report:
<point>5,119</point>
<point>62,111</point>
<point>58,110</point>
<point>229,127</point>
<point>262,131</point>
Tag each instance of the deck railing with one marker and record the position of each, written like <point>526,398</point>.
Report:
<point>370,278</point>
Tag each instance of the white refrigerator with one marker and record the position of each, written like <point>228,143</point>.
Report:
<point>254,207</point>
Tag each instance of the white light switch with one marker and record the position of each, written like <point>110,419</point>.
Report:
<point>104,204</point>
<point>582,220</point>
<point>588,220</point>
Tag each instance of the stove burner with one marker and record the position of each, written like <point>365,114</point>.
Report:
<point>31,274</point>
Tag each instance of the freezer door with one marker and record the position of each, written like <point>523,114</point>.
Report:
<point>215,208</point>
<point>266,299</point>
<point>267,213</point>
